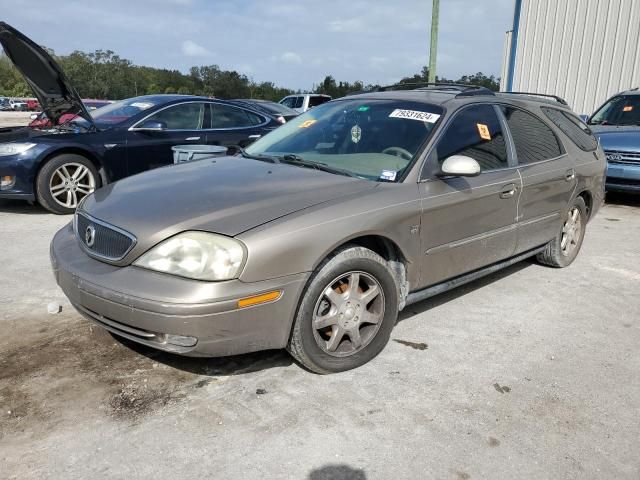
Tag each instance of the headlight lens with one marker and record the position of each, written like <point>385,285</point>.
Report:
<point>14,148</point>
<point>197,255</point>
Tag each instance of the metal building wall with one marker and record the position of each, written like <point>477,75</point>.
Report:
<point>582,50</point>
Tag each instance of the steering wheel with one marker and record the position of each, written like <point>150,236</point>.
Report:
<point>398,152</point>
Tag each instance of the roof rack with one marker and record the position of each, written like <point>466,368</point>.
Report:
<point>465,90</point>
<point>531,94</point>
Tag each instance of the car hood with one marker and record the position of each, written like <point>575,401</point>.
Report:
<point>622,138</point>
<point>227,195</point>
<point>45,77</point>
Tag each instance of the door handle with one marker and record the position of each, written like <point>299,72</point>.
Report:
<point>570,175</point>
<point>191,138</point>
<point>508,191</point>
<point>254,137</point>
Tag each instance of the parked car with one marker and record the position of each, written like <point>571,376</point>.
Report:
<point>59,166</point>
<point>4,104</point>
<point>325,228</point>
<point>18,105</point>
<point>281,113</point>
<point>42,121</point>
<point>33,105</point>
<point>303,102</point>
<point>617,126</point>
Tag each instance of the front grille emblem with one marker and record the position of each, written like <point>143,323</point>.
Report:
<point>614,157</point>
<point>90,236</point>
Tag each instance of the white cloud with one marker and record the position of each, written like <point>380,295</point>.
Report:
<point>348,26</point>
<point>192,49</point>
<point>291,57</point>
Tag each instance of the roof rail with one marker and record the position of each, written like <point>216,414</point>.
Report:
<point>531,94</point>
<point>465,90</point>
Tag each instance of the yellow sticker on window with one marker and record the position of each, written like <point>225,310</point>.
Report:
<point>628,108</point>
<point>307,124</point>
<point>483,130</point>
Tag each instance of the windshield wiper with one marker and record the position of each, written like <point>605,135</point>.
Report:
<point>261,157</point>
<point>293,159</point>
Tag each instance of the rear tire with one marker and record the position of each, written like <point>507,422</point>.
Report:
<point>563,249</point>
<point>64,181</point>
<point>346,313</point>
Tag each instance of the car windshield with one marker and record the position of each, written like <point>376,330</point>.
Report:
<point>372,139</point>
<point>117,112</point>
<point>620,110</point>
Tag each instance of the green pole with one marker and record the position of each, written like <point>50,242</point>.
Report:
<point>433,50</point>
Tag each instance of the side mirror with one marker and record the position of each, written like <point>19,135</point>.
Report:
<point>33,116</point>
<point>584,118</point>
<point>460,166</point>
<point>150,126</point>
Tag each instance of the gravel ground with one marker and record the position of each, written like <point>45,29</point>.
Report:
<point>11,119</point>
<point>529,373</point>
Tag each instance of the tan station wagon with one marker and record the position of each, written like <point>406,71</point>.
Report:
<point>323,230</point>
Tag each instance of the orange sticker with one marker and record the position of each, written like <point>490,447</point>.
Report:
<point>307,124</point>
<point>628,108</point>
<point>483,130</point>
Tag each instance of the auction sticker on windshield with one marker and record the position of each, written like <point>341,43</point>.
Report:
<point>415,115</point>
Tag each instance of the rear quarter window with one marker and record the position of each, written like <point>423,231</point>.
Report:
<point>534,140</point>
<point>572,127</point>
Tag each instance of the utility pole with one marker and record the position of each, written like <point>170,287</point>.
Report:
<point>433,50</point>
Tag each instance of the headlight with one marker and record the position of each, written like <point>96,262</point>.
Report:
<point>14,148</point>
<point>197,255</point>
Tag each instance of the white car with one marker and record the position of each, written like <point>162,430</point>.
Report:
<point>304,101</point>
<point>18,105</point>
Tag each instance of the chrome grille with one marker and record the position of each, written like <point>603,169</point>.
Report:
<point>626,158</point>
<point>101,239</point>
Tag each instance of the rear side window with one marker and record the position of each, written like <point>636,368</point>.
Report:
<point>573,127</point>
<point>475,132</point>
<point>533,139</point>
<point>318,100</point>
<point>298,102</point>
<point>226,116</point>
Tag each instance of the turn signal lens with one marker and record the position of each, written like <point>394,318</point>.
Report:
<point>258,299</point>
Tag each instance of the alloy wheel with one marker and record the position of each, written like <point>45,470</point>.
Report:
<point>571,232</point>
<point>70,183</point>
<point>348,314</point>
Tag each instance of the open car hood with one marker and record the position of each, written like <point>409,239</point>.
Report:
<point>45,77</point>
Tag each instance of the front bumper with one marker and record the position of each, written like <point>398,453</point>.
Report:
<point>23,168</point>
<point>153,308</point>
<point>623,178</point>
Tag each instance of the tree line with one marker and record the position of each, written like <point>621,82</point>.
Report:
<point>104,74</point>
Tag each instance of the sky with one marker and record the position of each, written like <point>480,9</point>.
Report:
<point>294,43</point>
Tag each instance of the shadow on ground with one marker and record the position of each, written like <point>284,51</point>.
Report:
<point>22,207</point>
<point>461,291</point>
<point>337,472</point>
<point>618,198</point>
<point>216,366</point>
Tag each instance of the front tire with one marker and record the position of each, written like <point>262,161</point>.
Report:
<point>346,313</point>
<point>64,181</point>
<point>564,248</point>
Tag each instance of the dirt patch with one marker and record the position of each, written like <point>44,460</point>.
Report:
<point>414,345</point>
<point>134,401</point>
<point>493,442</point>
<point>501,389</point>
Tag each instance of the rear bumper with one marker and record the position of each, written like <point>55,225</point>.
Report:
<point>174,314</point>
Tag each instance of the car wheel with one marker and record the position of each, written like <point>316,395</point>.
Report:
<point>64,181</point>
<point>346,313</point>
<point>563,249</point>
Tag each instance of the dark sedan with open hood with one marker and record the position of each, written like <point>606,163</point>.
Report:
<point>60,165</point>
<point>321,231</point>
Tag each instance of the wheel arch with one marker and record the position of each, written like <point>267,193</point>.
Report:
<point>75,151</point>
<point>588,201</point>
<point>384,246</point>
